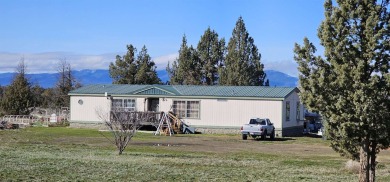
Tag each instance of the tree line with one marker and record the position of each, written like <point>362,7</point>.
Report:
<point>21,95</point>
<point>210,63</point>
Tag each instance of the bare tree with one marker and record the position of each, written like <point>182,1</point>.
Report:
<point>65,83</point>
<point>124,124</point>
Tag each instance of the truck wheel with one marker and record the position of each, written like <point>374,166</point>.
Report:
<point>264,135</point>
<point>273,135</point>
<point>244,136</point>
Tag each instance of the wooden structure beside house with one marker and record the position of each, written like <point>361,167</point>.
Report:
<point>207,108</point>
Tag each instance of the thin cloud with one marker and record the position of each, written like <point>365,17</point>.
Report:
<point>285,66</point>
<point>162,61</point>
<point>48,62</point>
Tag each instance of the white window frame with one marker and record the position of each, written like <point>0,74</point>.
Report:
<point>298,116</point>
<point>188,108</point>
<point>125,104</point>
<point>288,110</point>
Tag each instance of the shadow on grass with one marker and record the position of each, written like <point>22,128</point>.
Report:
<point>276,139</point>
<point>312,135</point>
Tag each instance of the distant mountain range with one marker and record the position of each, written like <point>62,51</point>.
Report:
<point>279,79</point>
<point>86,77</point>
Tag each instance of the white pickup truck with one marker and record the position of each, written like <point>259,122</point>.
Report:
<point>258,127</point>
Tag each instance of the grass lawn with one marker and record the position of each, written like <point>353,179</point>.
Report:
<point>67,154</point>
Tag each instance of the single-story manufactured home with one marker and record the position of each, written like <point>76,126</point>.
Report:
<point>207,108</point>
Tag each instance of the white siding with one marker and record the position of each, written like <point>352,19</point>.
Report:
<point>87,111</point>
<point>140,104</point>
<point>213,112</point>
<point>93,108</point>
<point>293,98</point>
<point>231,113</point>
<point>165,104</point>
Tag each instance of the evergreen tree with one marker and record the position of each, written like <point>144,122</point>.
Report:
<point>186,69</point>
<point>242,64</point>
<point>146,74</point>
<point>18,97</point>
<point>266,82</point>
<point>351,85</point>
<point>49,96</point>
<point>125,68</point>
<point>211,54</point>
<point>37,92</point>
<point>131,70</point>
<point>1,92</point>
<point>1,98</point>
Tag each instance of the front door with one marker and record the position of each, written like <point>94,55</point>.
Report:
<point>153,104</point>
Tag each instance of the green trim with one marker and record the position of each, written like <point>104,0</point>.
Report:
<point>226,97</point>
<point>185,97</point>
<point>153,91</point>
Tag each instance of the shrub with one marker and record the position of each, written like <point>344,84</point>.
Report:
<point>352,166</point>
<point>62,123</point>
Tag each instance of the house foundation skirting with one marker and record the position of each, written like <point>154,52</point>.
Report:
<point>279,132</point>
<point>212,130</point>
<point>98,126</point>
<point>294,131</point>
<point>285,132</point>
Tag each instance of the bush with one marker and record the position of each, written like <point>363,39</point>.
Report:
<point>352,166</point>
<point>38,124</point>
<point>62,123</point>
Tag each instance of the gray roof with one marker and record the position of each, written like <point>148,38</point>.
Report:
<point>193,91</point>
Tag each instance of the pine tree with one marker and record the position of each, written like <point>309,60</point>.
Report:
<point>1,92</point>
<point>146,73</point>
<point>49,96</point>
<point>186,69</point>
<point>1,98</point>
<point>18,97</point>
<point>211,54</point>
<point>37,92</point>
<point>351,85</point>
<point>130,69</point>
<point>242,65</point>
<point>125,68</point>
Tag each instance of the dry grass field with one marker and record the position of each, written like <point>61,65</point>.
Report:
<point>66,154</point>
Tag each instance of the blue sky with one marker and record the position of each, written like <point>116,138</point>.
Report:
<point>89,33</point>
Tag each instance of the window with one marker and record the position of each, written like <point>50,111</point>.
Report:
<point>253,121</point>
<point>257,121</point>
<point>269,122</point>
<point>287,111</point>
<point>187,109</point>
<point>298,112</point>
<point>124,104</point>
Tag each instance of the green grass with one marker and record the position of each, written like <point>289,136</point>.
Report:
<point>65,154</point>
